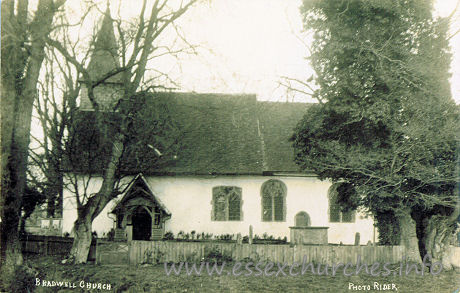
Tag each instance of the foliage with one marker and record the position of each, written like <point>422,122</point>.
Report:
<point>31,199</point>
<point>385,123</point>
<point>226,237</point>
<point>168,236</point>
<point>111,235</point>
<point>152,278</point>
<point>214,255</point>
<point>388,227</point>
<point>24,280</point>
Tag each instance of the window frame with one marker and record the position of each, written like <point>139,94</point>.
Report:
<point>271,197</point>
<point>215,192</point>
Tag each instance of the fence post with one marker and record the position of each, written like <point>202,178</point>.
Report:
<point>250,234</point>
<point>46,245</point>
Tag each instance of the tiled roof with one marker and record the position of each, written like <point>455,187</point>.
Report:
<point>206,134</point>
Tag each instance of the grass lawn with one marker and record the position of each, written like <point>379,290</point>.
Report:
<point>152,278</point>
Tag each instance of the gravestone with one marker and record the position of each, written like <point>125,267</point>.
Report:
<point>357,238</point>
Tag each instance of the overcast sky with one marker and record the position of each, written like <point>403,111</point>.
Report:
<point>247,45</point>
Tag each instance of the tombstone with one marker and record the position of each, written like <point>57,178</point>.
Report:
<point>250,234</point>
<point>357,238</point>
<point>369,243</point>
<point>239,239</point>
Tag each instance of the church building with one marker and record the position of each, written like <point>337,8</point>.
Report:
<point>203,163</point>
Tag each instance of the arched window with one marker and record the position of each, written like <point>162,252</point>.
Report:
<point>302,219</point>
<point>273,201</point>
<point>336,215</point>
<point>226,202</point>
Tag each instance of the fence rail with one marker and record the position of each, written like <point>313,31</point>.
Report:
<point>52,245</point>
<point>140,252</point>
<point>162,251</point>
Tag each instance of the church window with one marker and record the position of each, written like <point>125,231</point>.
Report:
<point>273,201</point>
<point>226,203</point>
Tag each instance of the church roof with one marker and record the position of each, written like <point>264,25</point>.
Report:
<point>105,57</point>
<point>190,133</point>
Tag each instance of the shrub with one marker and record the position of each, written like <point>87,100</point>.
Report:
<point>214,255</point>
<point>168,236</point>
<point>225,237</point>
<point>24,280</point>
<point>111,235</point>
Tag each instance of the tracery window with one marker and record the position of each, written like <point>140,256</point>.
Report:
<point>273,201</point>
<point>226,202</point>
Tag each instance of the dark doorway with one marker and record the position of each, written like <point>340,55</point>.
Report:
<point>142,224</point>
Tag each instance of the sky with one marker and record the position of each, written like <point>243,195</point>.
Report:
<point>247,46</point>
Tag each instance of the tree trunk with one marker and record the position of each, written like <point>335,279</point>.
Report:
<point>439,231</point>
<point>409,236</point>
<point>95,204</point>
<point>82,240</point>
<point>19,72</point>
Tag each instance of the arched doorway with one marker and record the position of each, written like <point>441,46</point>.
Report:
<point>142,224</point>
<point>302,219</point>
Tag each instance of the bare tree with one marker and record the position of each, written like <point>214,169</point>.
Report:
<point>122,76</point>
<point>23,43</point>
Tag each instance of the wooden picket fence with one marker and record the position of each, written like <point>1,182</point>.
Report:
<point>140,252</point>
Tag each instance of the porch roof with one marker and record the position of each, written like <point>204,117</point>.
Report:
<point>149,195</point>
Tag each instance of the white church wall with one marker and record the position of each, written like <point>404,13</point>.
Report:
<point>189,199</point>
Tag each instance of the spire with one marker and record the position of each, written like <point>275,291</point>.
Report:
<point>105,56</point>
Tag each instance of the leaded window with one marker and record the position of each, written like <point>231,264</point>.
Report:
<point>274,201</point>
<point>226,203</point>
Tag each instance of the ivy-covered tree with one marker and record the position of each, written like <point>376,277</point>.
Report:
<point>385,122</point>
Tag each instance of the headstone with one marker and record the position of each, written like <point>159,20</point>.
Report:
<point>250,234</point>
<point>357,238</point>
<point>239,239</point>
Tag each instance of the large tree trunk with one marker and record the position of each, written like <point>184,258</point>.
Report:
<point>20,73</point>
<point>439,232</point>
<point>95,204</point>
<point>82,240</point>
<point>409,236</point>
